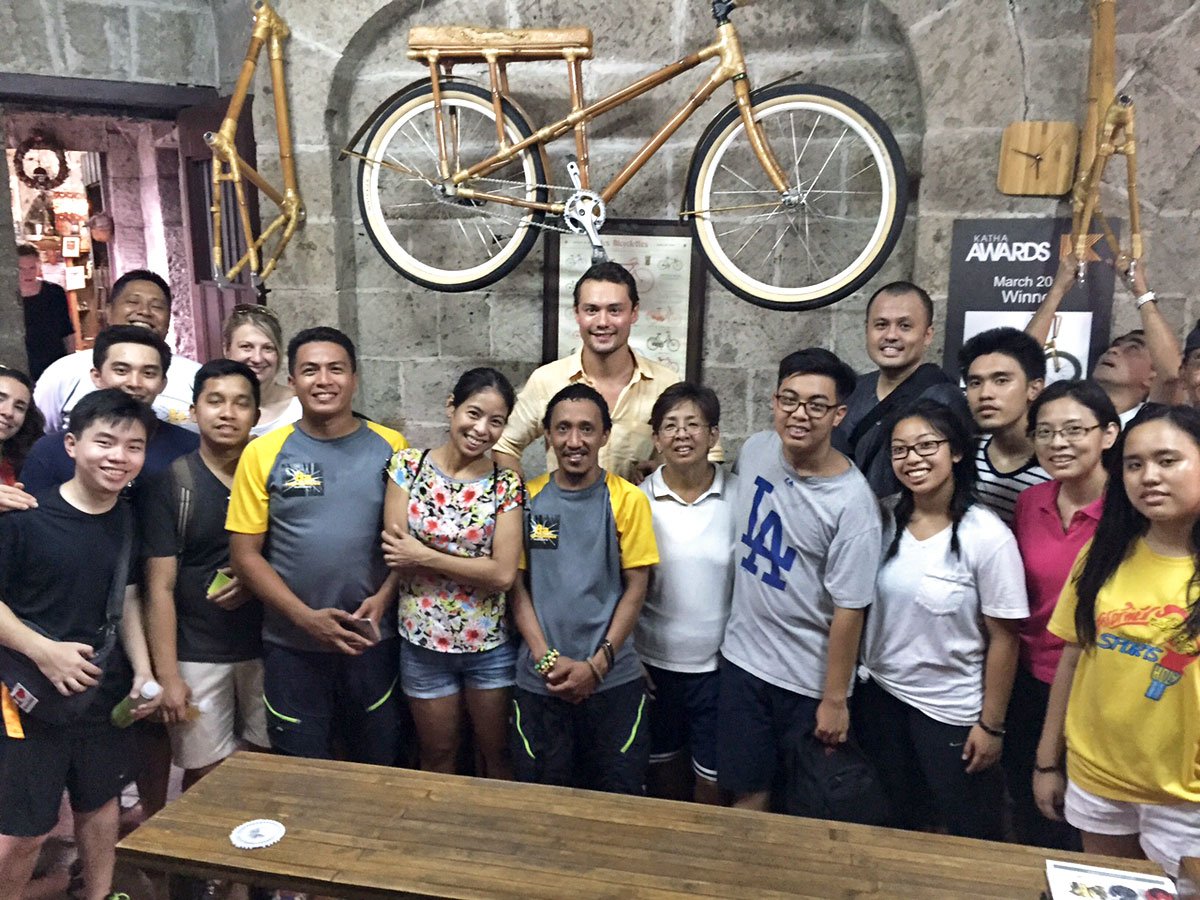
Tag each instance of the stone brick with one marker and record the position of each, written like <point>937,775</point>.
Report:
<point>464,324</point>
<point>1174,61</point>
<point>1051,19</point>
<point>379,391</point>
<point>399,324</point>
<point>849,342</point>
<point>968,71</point>
<point>313,259</point>
<point>516,326</point>
<point>831,24</point>
<point>881,28</point>
<point>1056,79</point>
<point>299,309</point>
<point>1171,253</point>
<point>97,40</point>
<point>911,13</point>
<point>1146,18</point>
<point>1168,135</point>
<point>643,32</point>
<point>314,169</point>
<point>25,48</point>
<point>932,256</point>
<point>732,385</point>
<point>174,47</point>
<point>424,385</point>
<point>960,176</point>
<point>734,328</point>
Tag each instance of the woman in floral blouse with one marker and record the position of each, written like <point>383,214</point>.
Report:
<point>452,529</point>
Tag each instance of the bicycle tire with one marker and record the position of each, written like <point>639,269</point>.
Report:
<point>425,235</point>
<point>854,228</point>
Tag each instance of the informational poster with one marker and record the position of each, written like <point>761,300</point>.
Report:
<point>1002,269</point>
<point>661,266</point>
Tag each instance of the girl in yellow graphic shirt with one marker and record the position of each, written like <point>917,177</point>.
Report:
<point>1127,688</point>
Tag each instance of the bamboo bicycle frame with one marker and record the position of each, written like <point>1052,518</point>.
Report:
<point>1108,129</point>
<point>731,66</point>
<point>270,31</point>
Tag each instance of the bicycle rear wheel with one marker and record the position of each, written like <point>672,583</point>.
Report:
<point>851,195</point>
<point>413,218</point>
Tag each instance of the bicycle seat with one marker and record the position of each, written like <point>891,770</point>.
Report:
<point>473,42</point>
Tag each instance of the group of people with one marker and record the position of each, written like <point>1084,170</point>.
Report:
<point>981,594</point>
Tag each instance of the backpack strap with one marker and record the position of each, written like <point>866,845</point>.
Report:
<point>185,504</point>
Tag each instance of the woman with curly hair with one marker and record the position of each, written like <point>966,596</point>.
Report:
<point>21,424</point>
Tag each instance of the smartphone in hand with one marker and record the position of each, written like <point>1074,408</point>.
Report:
<point>365,627</point>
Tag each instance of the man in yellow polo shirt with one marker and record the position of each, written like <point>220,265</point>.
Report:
<point>606,306</point>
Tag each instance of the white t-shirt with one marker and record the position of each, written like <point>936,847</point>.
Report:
<point>683,620</point>
<point>925,639</point>
<point>806,545</point>
<point>291,413</point>
<point>69,378</point>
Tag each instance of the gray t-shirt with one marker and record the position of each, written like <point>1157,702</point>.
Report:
<point>576,544</point>
<point>805,546</point>
<point>320,503</point>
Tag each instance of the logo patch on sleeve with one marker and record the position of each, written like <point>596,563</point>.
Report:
<point>22,697</point>
<point>543,531</point>
<point>302,480</point>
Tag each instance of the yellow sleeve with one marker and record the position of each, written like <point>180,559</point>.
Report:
<point>635,531</point>
<point>532,489</point>
<point>249,503</point>
<point>394,438</point>
<point>1062,622</point>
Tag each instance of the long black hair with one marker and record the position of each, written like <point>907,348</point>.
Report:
<point>17,447</point>
<point>947,423</point>
<point>1121,525</point>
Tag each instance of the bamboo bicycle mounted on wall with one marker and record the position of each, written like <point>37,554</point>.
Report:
<point>269,31</point>
<point>795,195</point>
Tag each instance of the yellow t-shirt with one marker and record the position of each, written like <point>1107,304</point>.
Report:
<point>1133,721</point>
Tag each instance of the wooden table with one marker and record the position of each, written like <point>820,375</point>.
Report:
<point>357,831</point>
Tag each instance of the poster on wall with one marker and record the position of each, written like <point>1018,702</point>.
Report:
<point>1001,270</point>
<point>670,282</point>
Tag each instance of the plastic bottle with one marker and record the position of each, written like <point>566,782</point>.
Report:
<point>122,714</point>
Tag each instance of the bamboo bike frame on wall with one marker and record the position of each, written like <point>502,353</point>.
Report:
<point>269,31</point>
<point>1108,130</point>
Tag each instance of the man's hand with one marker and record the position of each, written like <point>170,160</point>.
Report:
<point>232,595</point>
<point>1136,282</point>
<point>982,750</point>
<point>833,722</point>
<point>373,608</point>
<point>175,696</point>
<point>145,707</point>
<point>68,666</point>
<point>14,497</point>
<point>572,680</point>
<point>403,551</point>
<point>1049,789</point>
<point>327,626</point>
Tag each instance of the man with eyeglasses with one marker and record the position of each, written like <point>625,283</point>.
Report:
<point>141,298</point>
<point>899,332</point>
<point>806,554</point>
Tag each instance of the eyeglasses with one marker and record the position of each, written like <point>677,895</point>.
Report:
<point>814,409</point>
<point>1044,434</point>
<point>254,309</point>
<point>923,448</point>
<point>670,429</point>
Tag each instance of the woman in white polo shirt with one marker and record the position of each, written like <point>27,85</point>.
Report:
<point>683,620</point>
<point>940,646</point>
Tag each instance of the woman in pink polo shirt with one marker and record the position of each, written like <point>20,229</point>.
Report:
<point>1073,424</point>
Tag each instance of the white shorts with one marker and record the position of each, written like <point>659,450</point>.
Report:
<point>231,695</point>
<point>1167,831</point>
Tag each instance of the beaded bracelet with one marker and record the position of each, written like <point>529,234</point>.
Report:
<point>546,663</point>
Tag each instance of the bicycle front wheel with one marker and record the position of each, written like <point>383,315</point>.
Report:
<point>849,198</point>
<point>410,211</point>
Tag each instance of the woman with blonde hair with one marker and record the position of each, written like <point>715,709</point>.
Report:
<point>252,336</point>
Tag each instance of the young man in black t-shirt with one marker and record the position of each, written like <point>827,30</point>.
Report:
<point>57,563</point>
<point>206,641</point>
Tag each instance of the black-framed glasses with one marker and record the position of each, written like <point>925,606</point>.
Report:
<point>922,448</point>
<point>814,408</point>
<point>1044,434</point>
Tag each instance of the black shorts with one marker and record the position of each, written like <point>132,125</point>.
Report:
<point>92,762</point>
<point>684,717</point>
<point>315,698</point>
<point>753,718</point>
<point>602,743</point>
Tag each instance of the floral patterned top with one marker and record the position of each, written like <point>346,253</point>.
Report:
<point>456,517</point>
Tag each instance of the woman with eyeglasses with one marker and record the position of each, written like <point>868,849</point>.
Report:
<point>1124,710</point>
<point>252,336</point>
<point>940,644</point>
<point>21,424</point>
<point>1073,425</point>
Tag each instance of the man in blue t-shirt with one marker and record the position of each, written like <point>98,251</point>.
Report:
<point>131,358</point>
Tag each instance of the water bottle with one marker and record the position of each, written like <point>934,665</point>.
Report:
<point>122,714</point>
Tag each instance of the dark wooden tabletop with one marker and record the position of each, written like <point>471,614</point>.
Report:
<point>356,831</point>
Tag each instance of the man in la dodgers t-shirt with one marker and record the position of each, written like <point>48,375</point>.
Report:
<point>807,553</point>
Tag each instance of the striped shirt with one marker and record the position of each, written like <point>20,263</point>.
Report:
<point>999,490</point>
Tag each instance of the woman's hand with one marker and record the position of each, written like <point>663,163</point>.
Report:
<point>403,551</point>
<point>1049,789</point>
<point>982,750</point>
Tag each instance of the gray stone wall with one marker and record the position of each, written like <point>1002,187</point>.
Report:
<point>160,41</point>
<point>947,75</point>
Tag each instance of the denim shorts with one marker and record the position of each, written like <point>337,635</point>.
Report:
<point>430,674</point>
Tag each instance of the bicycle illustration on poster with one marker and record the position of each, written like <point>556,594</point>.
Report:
<point>670,277</point>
